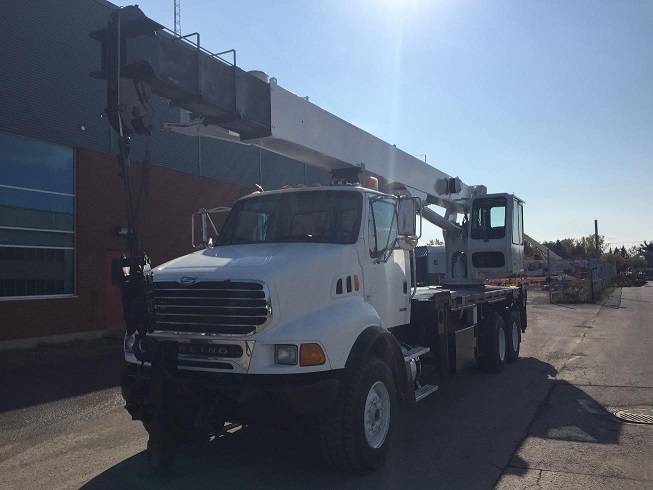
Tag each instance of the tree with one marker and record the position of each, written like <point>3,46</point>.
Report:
<point>637,262</point>
<point>621,263</point>
<point>435,242</point>
<point>646,251</point>
<point>560,247</point>
<point>586,246</point>
<point>577,248</point>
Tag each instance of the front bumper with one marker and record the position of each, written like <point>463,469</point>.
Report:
<point>243,398</point>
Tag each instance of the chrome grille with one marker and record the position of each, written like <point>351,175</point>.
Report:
<point>213,307</point>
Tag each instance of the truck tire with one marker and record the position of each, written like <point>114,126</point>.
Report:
<point>513,332</point>
<point>356,431</point>
<point>495,351</point>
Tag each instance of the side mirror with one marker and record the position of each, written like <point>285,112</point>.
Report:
<point>407,242</point>
<point>205,221</point>
<point>407,211</point>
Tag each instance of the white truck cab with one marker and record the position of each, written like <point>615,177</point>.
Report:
<point>306,266</point>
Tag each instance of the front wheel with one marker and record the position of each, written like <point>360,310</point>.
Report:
<point>356,432</point>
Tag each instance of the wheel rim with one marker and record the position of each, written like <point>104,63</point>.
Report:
<point>515,336</point>
<point>502,344</point>
<point>377,415</point>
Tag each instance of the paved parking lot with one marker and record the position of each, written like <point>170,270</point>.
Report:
<point>546,421</point>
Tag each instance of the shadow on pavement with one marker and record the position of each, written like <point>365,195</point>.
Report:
<point>463,437</point>
<point>571,415</point>
<point>25,386</point>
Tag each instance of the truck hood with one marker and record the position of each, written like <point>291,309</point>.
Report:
<point>248,261</point>
<point>301,277</point>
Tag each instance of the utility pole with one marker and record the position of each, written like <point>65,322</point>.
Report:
<point>596,239</point>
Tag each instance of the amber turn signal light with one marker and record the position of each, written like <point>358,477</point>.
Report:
<point>311,355</point>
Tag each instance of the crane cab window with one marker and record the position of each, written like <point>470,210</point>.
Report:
<point>518,224</point>
<point>489,218</point>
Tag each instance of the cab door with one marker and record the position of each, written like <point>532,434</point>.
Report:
<point>495,242</point>
<point>386,267</point>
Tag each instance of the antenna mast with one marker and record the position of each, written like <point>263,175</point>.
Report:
<point>177,18</point>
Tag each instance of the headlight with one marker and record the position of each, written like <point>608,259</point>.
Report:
<point>285,354</point>
<point>145,349</point>
<point>129,343</point>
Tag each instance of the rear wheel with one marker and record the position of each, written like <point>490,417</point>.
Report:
<point>495,340</point>
<point>356,432</point>
<point>513,330</point>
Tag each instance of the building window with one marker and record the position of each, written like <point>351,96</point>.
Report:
<point>37,225</point>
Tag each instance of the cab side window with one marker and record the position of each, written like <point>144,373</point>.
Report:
<point>382,227</point>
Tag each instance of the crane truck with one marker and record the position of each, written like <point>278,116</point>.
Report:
<point>305,307</point>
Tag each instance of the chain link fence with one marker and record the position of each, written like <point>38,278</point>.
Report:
<point>584,288</point>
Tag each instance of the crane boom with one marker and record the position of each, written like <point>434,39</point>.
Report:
<point>240,106</point>
<point>542,248</point>
<point>302,130</point>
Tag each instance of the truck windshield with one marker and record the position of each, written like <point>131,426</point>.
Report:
<point>307,216</point>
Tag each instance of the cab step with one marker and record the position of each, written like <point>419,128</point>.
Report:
<point>415,352</point>
<point>416,392</point>
<point>424,391</point>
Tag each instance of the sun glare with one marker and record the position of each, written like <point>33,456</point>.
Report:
<point>401,9</point>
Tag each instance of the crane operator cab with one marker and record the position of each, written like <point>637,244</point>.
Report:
<point>492,242</point>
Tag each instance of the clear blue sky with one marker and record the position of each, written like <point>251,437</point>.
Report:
<point>551,100</point>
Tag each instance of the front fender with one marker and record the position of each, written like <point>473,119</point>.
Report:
<point>378,341</point>
<point>336,327</point>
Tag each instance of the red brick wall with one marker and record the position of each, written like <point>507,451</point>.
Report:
<point>164,234</point>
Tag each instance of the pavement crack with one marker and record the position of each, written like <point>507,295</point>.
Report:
<point>605,386</point>
<point>502,469</point>
<point>563,472</point>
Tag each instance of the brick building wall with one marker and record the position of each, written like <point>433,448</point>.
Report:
<point>165,233</point>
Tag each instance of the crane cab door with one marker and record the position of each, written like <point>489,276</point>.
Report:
<point>495,241</point>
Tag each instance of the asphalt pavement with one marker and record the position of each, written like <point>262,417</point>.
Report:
<point>547,421</point>
<point>575,440</point>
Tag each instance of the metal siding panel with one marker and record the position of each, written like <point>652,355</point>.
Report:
<point>46,56</point>
<point>278,171</point>
<point>315,174</point>
<point>168,149</point>
<point>48,94</point>
<point>230,162</point>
